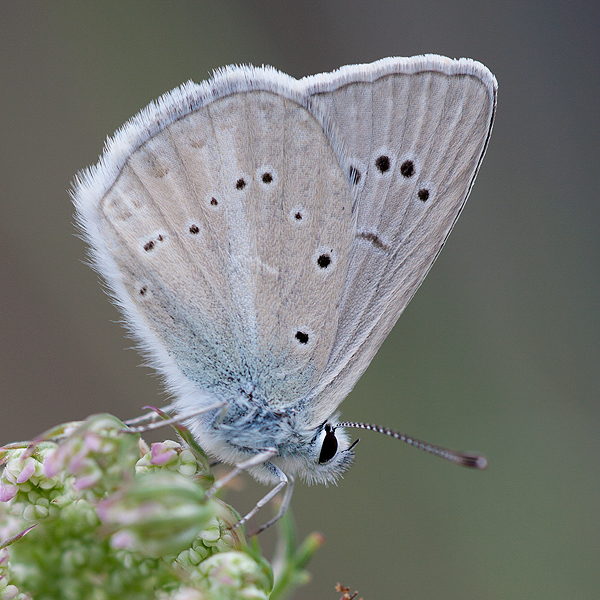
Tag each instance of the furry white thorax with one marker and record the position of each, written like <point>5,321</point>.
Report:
<point>243,429</point>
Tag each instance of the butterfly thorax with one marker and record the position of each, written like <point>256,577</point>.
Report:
<point>247,427</point>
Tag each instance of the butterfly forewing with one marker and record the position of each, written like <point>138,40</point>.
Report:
<point>416,139</point>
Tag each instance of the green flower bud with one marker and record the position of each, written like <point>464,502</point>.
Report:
<point>156,514</point>
<point>172,456</point>
<point>235,576</point>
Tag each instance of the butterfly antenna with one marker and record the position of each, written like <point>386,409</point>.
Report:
<point>466,459</point>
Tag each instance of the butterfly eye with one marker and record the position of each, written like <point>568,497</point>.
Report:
<point>329,447</point>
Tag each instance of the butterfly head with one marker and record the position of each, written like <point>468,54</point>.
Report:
<point>325,456</point>
<point>317,455</point>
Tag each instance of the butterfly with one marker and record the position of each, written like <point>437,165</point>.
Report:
<point>262,235</point>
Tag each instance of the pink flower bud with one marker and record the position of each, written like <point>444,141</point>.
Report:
<point>7,491</point>
<point>161,454</point>
<point>27,471</point>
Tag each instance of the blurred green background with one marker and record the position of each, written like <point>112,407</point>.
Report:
<point>498,352</point>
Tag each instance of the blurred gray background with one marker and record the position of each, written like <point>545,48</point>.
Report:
<point>498,351</point>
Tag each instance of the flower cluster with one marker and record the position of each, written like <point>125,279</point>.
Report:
<point>89,510</point>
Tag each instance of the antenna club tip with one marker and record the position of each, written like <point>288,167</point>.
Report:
<point>476,461</point>
<point>482,463</point>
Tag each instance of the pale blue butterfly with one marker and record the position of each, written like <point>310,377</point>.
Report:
<point>262,235</point>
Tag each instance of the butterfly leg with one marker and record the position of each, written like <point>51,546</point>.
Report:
<point>149,416</point>
<point>283,480</point>
<point>180,418</point>
<point>285,503</point>
<point>257,459</point>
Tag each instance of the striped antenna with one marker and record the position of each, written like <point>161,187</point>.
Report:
<point>466,459</point>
